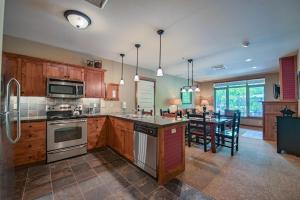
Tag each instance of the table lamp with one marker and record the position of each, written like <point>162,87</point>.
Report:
<point>204,103</point>
<point>176,102</point>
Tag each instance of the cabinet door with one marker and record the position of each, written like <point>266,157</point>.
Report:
<point>94,83</point>
<point>96,132</point>
<point>10,69</point>
<point>32,79</point>
<point>118,139</point>
<point>128,144</point>
<point>31,147</point>
<point>75,73</point>
<point>56,70</point>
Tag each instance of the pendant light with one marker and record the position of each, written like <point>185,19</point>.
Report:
<point>159,70</point>
<point>188,80</point>
<point>197,88</point>
<point>136,77</point>
<point>122,78</point>
<point>190,86</point>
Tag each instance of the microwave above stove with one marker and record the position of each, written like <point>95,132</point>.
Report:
<point>60,88</point>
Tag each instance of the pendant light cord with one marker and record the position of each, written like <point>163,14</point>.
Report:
<point>188,74</point>
<point>137,61</point>
<point>122,67</point>
<point>192,72</point>
<point>159,64</point>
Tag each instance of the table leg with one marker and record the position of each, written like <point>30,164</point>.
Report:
<point>212,136</point>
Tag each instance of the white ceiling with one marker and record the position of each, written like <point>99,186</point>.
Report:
<point>210,31</point>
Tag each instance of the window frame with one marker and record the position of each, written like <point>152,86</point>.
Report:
<point>247,95</point>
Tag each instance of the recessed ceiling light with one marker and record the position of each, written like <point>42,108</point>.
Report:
<point>248,60</point>
<point>254,67</point>
<point>77,19</point>
<point>246,44</point>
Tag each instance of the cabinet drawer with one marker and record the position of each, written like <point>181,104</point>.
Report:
<point>28,157</point>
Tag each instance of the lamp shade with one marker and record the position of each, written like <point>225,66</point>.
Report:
<point>174,101</point>
<point>204,102</point>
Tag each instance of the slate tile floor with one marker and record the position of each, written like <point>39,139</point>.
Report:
<point>99,175</point>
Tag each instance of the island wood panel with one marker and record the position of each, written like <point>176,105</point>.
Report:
<point>271,109</point>
<point>171,156</point>
<point>97,132</point>
<point>32,78</point>
<point>31,147</point>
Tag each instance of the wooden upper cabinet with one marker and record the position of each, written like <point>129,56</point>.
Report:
<point>63,71</point>
<point>94,83</point>
<point>75,73</point>
<point>32,79</point>
<point>112,92</point>
<point>56,70</point>
<point>11,69</point>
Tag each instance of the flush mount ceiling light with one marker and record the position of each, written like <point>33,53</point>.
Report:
<point>254,67</point>
<point>159,70</point>
<point>136,77</point>
<point>77,19</point>
<point>248,60</point>
<point>122,78</point>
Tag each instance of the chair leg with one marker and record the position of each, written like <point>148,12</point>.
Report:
<point>232,146</point>
<point>189,139</point>
<point>237,143</point>
<point>205,144</point>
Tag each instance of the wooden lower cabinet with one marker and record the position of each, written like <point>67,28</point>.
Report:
<point>97,132</point>
<point>31,147</point>
<point>121,137</point>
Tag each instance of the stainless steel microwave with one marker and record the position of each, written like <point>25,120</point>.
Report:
<point>59,88</point>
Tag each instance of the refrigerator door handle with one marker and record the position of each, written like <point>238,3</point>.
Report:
<point>7,111</point>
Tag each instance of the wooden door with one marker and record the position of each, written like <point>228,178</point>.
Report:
<point>32,79</point>
<point>110,137</point>
<point>11,68</point>
<point>94,83</point>
<point>128,144</point>
<point>56,70</point>
<point>96,132</point>
<point>119,139</point>
<point>75,73</point>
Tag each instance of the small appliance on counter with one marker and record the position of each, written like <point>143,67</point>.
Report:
<point>66,132</point>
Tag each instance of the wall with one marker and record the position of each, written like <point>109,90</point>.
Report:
<point>207,92</point>
<point>166,86</point>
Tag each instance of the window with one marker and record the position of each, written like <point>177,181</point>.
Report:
<point>186,97</point>
<point>246,96</point>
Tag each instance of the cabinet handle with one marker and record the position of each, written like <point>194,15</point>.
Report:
<point>30,126</point>
<point>29,146</point>
<point>30,135</point>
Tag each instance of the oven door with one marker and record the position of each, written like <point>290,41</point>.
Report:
<point>61,89</point>
<point>66,133</point>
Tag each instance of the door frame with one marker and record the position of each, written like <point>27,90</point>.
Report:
<point>144,78</point>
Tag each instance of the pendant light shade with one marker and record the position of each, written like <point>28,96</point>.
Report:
<point>197,89</point>
<point>159,70</point>
<point>183,90</point>
<point>190,89</point>
<point>77,19</point>
<point>136,77</point>
<point>122,82</point>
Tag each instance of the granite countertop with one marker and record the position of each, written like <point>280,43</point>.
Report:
<point>152,120</point>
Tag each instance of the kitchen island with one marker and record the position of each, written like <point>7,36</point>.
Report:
<point>167,146</point>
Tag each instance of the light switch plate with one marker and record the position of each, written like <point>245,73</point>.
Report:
<point>173,130</point>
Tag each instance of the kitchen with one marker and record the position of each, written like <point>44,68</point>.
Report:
<point>83,126</point>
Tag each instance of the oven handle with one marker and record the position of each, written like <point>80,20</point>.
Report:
<point>67,122</point>
<point>67,149</point>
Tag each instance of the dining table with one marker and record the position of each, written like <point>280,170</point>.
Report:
<point>212,124</point>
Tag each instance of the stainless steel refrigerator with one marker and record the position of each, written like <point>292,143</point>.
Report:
<point>9,113</point>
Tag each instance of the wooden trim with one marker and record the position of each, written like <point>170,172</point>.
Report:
<point>143,78</point>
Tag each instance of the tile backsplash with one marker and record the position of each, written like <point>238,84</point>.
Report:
<point>36,106</point>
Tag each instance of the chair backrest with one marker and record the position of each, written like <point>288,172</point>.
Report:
<point>198,124</point>
<point>162,112</point>
<point>150,113</point>
<point>230,113</point>
<point>236,123</point>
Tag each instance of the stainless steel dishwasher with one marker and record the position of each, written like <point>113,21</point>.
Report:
<point>145,148</point>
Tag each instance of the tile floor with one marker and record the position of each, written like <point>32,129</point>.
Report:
<point>98,175</point>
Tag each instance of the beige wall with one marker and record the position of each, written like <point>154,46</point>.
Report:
<point>166,86</point>
<point>207,92</point>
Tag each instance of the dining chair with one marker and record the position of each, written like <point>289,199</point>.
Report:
<point>199,130</point>
<point>150,113</point>
<point>230,137</point>
<point>162,112</point>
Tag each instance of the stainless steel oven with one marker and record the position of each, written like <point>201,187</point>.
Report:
<point>65,88</point>
<point>66,138</point>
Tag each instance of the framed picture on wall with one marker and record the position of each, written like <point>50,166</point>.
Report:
<point>186,97</point>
